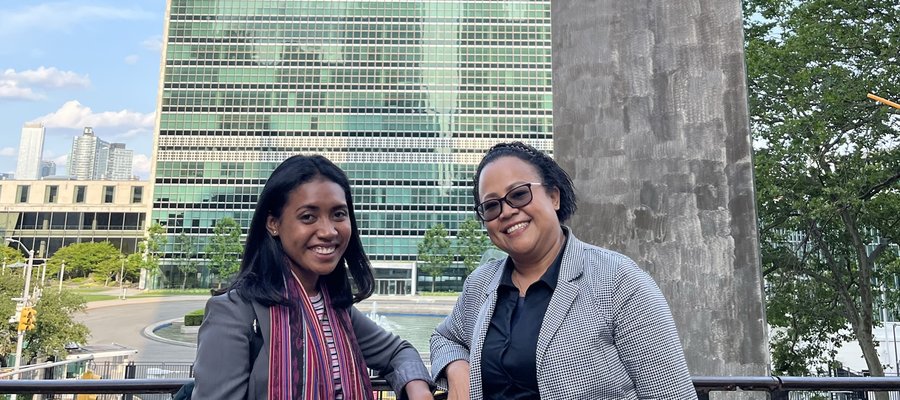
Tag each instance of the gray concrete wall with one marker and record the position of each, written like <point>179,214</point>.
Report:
<point>651,120</point>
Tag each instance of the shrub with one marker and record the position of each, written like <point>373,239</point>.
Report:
<point>193,318</point>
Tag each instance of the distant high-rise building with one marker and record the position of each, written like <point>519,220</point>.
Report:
<point>119,166</point>
<point>31,149</point>
<point>90,156</point>
<point>405,96</point>
<point>48,168</point>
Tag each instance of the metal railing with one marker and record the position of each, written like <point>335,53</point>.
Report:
<point>777,387</point>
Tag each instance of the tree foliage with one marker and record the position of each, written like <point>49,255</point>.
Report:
<point>10,255</point>
<point>186,256</point>
<point>472,243</point>
<point>827,167</point>
<point>55,324</point>
<point>152,248</point>
<point>224,249</point>
<point>101,259</point>
<point>434,253</point>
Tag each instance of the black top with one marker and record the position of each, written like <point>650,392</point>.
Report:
<point>508,369</point>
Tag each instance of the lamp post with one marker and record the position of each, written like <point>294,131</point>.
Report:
<point>122,278</point>
<point>25,303</point>
<point>896,360</point>
<point>62,270</point>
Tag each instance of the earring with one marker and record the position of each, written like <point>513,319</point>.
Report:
<point>274,233</point>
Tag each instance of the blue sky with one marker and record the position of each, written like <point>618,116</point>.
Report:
<point>80,63</point>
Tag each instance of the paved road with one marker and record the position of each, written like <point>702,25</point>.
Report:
<point>123,322</point>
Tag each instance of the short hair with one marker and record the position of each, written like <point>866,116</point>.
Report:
<point>551,173</point>
<point>263,267</point>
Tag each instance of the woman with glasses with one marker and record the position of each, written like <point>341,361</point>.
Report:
<point>558,318</point>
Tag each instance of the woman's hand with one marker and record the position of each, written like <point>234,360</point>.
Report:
<point>458,380</point>
<point>418,390</point>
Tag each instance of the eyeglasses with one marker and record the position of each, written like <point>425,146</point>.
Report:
<point>516,197</point>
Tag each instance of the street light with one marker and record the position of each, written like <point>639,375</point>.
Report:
<point>122,278</point>
<point>25,303</point>
<point>896,360</point>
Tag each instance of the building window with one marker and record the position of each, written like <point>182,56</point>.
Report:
<point>108,194</point>
<point>51,194</point>
<point>22,194</point>
<point>137,194</point>
<point>80,193</point>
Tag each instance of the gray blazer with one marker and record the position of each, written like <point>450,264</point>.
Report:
<point>223,369</point>
<point>608,332</point>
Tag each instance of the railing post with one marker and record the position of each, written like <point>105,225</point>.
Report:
<point>48,375</point>
<point>130,372</point>
<point>779,394</point>
<point>702,395</point>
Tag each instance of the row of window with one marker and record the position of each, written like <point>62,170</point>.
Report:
<point>275,21</point>
<point>51,194</point>
<point>96,221</point>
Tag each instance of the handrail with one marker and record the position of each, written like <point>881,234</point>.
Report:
<point>48,364</point>
<point>703,384</point>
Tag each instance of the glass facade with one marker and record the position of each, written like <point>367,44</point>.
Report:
<point>406,96</point>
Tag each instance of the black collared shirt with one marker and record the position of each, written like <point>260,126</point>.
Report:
<point>508,367</point>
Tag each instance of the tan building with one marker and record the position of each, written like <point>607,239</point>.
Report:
<point>46,215</point>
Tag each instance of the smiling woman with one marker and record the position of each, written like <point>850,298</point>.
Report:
<point>557,318</point>
<point>293,294</point>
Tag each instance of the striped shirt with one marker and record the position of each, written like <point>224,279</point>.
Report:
<point>319,305</point>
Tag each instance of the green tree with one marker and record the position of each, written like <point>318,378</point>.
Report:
<point>133,264</point>
<point>827,167</point>
<point>9,255</point>
<point>434,253</point>
<point>472,243</point>
<point>55,324</point>
<point>224,249</point>
<point>84,259</point>
<point>186,252</point>
<point>152,248</point>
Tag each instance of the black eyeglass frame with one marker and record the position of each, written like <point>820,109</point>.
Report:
<point>480,206</point>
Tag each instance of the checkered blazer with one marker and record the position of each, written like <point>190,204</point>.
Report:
<point>608,332</point>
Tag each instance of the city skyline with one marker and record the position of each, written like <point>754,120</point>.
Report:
<point>71,65</point>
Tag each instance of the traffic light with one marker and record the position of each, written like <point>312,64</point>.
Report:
<point>27,319</point>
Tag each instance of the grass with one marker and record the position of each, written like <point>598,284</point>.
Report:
<point>97,297</point>
<point>93,292</point>
<point>172,292</point>
<point>438,294</point>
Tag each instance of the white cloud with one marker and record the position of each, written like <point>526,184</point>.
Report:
<point>10,90</point>
<point>132,59</point>
<point>62,16</point>
<point>140,164</point>
<point>74,115</point>
<point>8,152</point>
<point>61,161</point>
<point>153,43</point>
<point>46,77</point>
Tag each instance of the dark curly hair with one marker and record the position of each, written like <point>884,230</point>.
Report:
<point>552,174</point>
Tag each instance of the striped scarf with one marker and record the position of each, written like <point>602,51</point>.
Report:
<point>299,360</point>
